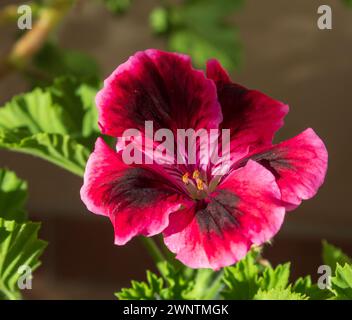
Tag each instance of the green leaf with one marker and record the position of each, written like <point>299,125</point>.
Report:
<point>251,279</point>
<point>205,13</point>
<point>176,284</point>
<point>117,6</point>
<point>347,2</point>
<point>149,290</point>
<point>205,284</point>
<point>241,280</point>
<point>315,293</point>
<point>53,61</point>
<point>199,28</point>
<point>305,287</point>
<point>333,255</point>
<point>156,287</point>
<point>278,294</point>
<point>58,123</point>
<point>302,284</point>
<point>90,115</point>
<point>58,149</point>
<point>13,195</point>
<point>60,108</point>
<point>219,43</point>
<point>159,20</point>
<point>275,278</point>
<point>19,246</point>
<point>341,283</point>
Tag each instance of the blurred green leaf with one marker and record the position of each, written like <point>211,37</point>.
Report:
<point>201,48</point>
<point>53,61</point>
<point>199,28</point>
<point>348,2</point>
<point>333,255</point>
<point>159,20</point>
<point>13,195</point>
<point>117,6</point>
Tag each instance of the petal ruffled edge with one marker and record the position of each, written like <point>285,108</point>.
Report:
<point>252,116</point>
<point>135,203</point>
<point>157,86</point>
<point>299,164</point>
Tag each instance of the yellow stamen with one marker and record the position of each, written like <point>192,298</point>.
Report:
<point>200,184</point>
<point>196,174</point>
<point>185,178</point>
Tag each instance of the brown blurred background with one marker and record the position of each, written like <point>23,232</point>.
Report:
<point>285,56</point>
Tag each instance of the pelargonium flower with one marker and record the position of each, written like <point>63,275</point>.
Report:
<point>207,221</point>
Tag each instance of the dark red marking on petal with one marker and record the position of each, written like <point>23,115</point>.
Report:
<point>137,201</point>
<point>299,165</point>
<point>252,116</point>
<point>160,87</point>
<point>138,187</point>
<point>245,209</point>
<point>219,212</point>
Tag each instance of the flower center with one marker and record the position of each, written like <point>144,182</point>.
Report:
<point>196,184</point>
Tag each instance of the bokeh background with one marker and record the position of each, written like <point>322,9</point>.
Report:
<point>284,55</point>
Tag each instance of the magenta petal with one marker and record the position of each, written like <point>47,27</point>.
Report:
<point>244,210</point>
<point>147,221</point>
<point>299,164</point>
<point>137,201</point>
<point>216,72</point>
<point>252,116</point>
<point>160,87</point>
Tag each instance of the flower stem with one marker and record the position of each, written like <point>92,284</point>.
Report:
<point>156,254</point>
<point>153,249</point>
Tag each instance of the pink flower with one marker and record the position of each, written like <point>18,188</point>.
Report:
<point>207,221</point>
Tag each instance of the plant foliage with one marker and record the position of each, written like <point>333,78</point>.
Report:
<point>57,123</point>
<point>19,243</point>
<point>249,279</point>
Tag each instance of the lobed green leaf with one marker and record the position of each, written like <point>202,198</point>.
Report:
<point>58,123</point>
<point>13,195</point>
